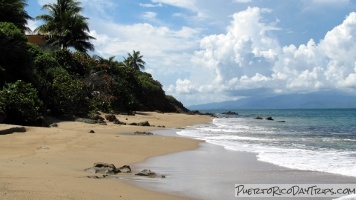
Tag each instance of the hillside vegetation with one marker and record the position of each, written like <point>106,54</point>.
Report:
<point>69,82</point>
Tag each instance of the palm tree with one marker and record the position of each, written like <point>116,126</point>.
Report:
<point>65,27</point>
<point>134,60</point>
<point>14,11</point>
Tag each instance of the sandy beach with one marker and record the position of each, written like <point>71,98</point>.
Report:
<point>50,163</point>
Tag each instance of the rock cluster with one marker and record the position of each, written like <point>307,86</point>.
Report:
<point>108,169</point>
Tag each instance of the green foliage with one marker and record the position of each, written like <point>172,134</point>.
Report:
<point>66,95</point>
<point>135,61</point>
<point>177,104</point>
<point>14,60</point>
<point>64,26</point>
<point>20,102</point>
<point>75,64</point>
<point>8,29</point>
<point>14,11</point>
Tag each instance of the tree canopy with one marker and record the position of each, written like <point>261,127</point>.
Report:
<point>14,11</point>
<point>64,26</point>
<point>135,60</point>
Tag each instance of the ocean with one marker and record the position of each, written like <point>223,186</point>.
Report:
<point>321,140</point>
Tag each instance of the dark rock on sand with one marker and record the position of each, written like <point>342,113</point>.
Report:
<point>14,129</point>
<point>116,121</point>
<point>150,174</point>
<point>269,118</point>
<point>145,123</point>
<point>41,121</point>
<point>108,169</point>
<point>111,118</point>
<point>125,169</point>
<point>53,125</point>
<point>98,177</point>
<point>103,168</point>
<point>91,131</point>
<point>142,133</point>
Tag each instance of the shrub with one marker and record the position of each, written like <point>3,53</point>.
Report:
<point>66,95</point>
<point>74,63</point>
<point>20,103</point>
<point>13,55</point>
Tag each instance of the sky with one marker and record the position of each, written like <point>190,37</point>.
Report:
<point>205,51</point>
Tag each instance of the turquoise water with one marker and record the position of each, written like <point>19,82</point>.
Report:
<point>313,139</point>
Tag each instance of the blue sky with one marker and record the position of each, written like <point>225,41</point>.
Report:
<point>215,50</point>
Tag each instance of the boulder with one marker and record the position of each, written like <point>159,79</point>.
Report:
<point>258,117</point>
<point>53,125</point>
<point>269,118</point>
<point>108,169</point>
<point>150,174</point>
<point>103,168</point>
<point>41,121</point>
<point>91,131</point>
<point>125,169</point>
<point>145,123</point>
<point>111,117</point>
<point>116,121</point>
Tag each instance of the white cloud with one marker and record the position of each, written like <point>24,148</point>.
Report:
<point>165,51</point>
<point>187,4</point>
<point>150,16</point>
<point>248,57</point>
<point>148,5</point>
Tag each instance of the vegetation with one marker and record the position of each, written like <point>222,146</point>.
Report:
<point>35,82</point>
<point>64,26</point>
<point>134,61</point>
<point>13,11</point>
<point>20,102</point>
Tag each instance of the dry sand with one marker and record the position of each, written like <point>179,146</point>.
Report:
<point>49,163</point>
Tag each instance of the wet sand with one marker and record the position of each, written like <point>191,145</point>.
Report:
<point>211,172</point>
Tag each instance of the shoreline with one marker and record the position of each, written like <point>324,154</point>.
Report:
<point>212,172</point>
<point>49,163</point>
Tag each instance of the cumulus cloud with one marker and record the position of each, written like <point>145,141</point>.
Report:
<point>166,51</point>
<point>248,57</point>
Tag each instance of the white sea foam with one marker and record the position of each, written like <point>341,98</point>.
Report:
<point>227,133</point>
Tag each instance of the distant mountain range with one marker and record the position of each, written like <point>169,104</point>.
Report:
<point>290,101</point>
